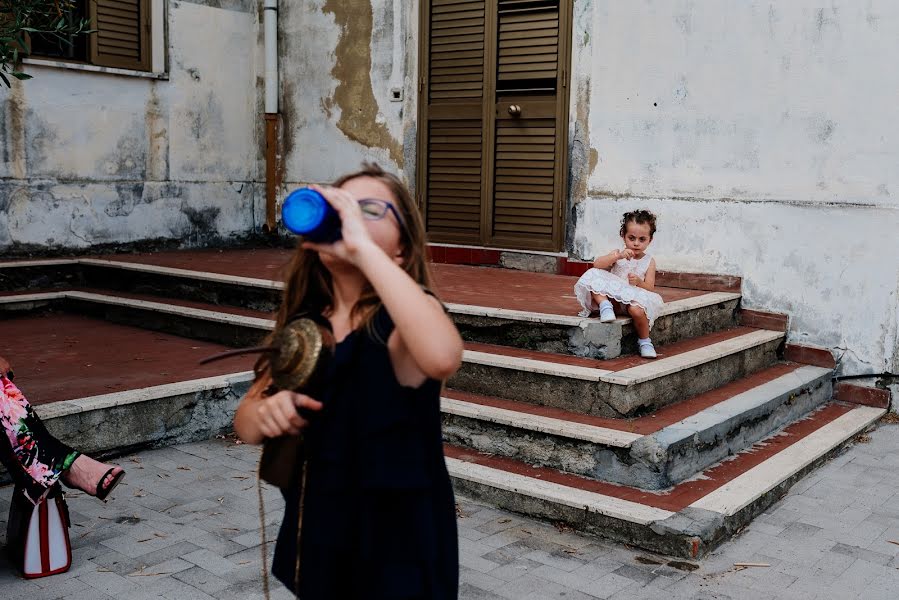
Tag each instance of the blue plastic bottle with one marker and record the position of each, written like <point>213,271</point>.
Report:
<point>305,212</point>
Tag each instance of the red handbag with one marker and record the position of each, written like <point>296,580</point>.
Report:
<point>37,535</point>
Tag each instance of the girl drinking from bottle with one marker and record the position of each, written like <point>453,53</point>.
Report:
<point>378,513</point>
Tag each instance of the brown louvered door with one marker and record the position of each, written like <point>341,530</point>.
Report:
<point>494,121</point>
<point>530,125</point>
<point>122,37</point>
<point>453,109</point>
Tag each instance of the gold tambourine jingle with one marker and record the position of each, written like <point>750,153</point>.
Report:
<point>303,348</point>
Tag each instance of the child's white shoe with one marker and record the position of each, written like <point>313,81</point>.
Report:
<point>647,350</point>
<point>606,315</point>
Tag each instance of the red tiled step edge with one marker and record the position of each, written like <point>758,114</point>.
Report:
<point>615,364</point>
<point>648,424</point>
<point>263,263</point>
<point>809,355</point>
<point>488,257</point>
<point>501,288</point>
<point>231,310</point>
<point>764,320</point>
<point>682,495</point>
<point>62,357</point>
<point>860,394</point>
<point>519,290</point>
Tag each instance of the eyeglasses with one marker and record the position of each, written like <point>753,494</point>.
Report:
<point>375,209</point>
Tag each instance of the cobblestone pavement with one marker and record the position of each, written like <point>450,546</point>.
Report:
<point>185,525</point>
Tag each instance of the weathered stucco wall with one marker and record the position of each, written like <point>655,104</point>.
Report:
<point>90,158</point>
<point>766,137</point>
<point>340,61</point>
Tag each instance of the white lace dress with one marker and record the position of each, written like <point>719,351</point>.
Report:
<point>614,285</point>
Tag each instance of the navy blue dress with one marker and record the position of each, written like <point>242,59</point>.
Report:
<point>379,516</point>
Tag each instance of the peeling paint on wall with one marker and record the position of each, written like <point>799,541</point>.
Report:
<point>352,69</point>
<point>93,159</point>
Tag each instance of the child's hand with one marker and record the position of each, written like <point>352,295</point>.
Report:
<point>278,414</point>
<point>354,233</point>
<point>634,280</point>
<point>627,253</point>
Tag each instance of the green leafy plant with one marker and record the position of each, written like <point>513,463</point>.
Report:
<point>20,19</point>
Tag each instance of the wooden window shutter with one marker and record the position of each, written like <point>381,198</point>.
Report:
<point>122,37</point>
<point>528,145</point>
<point>528,41</point>
<point>454,101</point>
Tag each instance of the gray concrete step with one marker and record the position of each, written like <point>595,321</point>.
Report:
<point>621,388</point>
<point>578,336</point>
<point>686,317</point>
<point>688,520</point>
<point>654,452</point>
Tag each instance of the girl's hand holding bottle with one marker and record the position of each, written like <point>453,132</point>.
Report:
<point>634,280</point>
<point>355,238</point>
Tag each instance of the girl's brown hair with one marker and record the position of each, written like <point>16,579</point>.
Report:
<point>308,287</point>
<point>640,217</point>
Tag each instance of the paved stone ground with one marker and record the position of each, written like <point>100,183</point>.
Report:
<point>185,525</point>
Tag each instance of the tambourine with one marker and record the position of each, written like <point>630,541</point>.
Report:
<point>305,350</point>
<point>301,355</point>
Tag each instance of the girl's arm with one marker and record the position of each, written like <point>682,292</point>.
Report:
<point>649,281</point>
<point>425,342</point>
<point>606,262</point>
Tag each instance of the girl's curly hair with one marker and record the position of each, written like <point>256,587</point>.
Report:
<point>641,217</point>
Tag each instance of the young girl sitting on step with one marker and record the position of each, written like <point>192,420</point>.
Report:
<point>378,513</point>
<point>623,280</point>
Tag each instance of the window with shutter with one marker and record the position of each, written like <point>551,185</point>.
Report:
<point>121,36</point>
<point>494,105</point>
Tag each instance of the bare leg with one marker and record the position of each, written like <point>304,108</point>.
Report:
<point>641,321</point>
<point>598,298</point>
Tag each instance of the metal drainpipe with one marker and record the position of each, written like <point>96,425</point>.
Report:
<point>272,118</point>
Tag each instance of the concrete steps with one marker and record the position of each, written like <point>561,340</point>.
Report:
<point>551,415</point>
<point>687,520</point>
<point>621,388</point>
<point>563,334</point>
<point>653,452</point>
<point>701,312</point>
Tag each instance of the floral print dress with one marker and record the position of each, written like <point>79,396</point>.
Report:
<point>34,458</point>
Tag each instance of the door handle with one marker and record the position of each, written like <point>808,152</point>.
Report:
<point>515,110</point>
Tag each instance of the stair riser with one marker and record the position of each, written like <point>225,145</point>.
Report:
<point>618,530</point>
<point>608,400</point>
<point>175,419</point>
<point>650,463</point>
<point>185,288</point>
<point>595,339</point>
<point>687,324</point>
<point>28,278</point>
<point>695,454</point>
<point>197,328</point>
<point>681,537</point>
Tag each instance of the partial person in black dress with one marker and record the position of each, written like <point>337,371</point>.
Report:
<point>378,516</point>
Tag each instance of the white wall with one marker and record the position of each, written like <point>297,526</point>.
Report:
<point>340,60</point>
<point>92,158</point>
<point>766,137</point>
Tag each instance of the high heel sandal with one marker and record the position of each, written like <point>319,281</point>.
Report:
<point>103,492</point>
